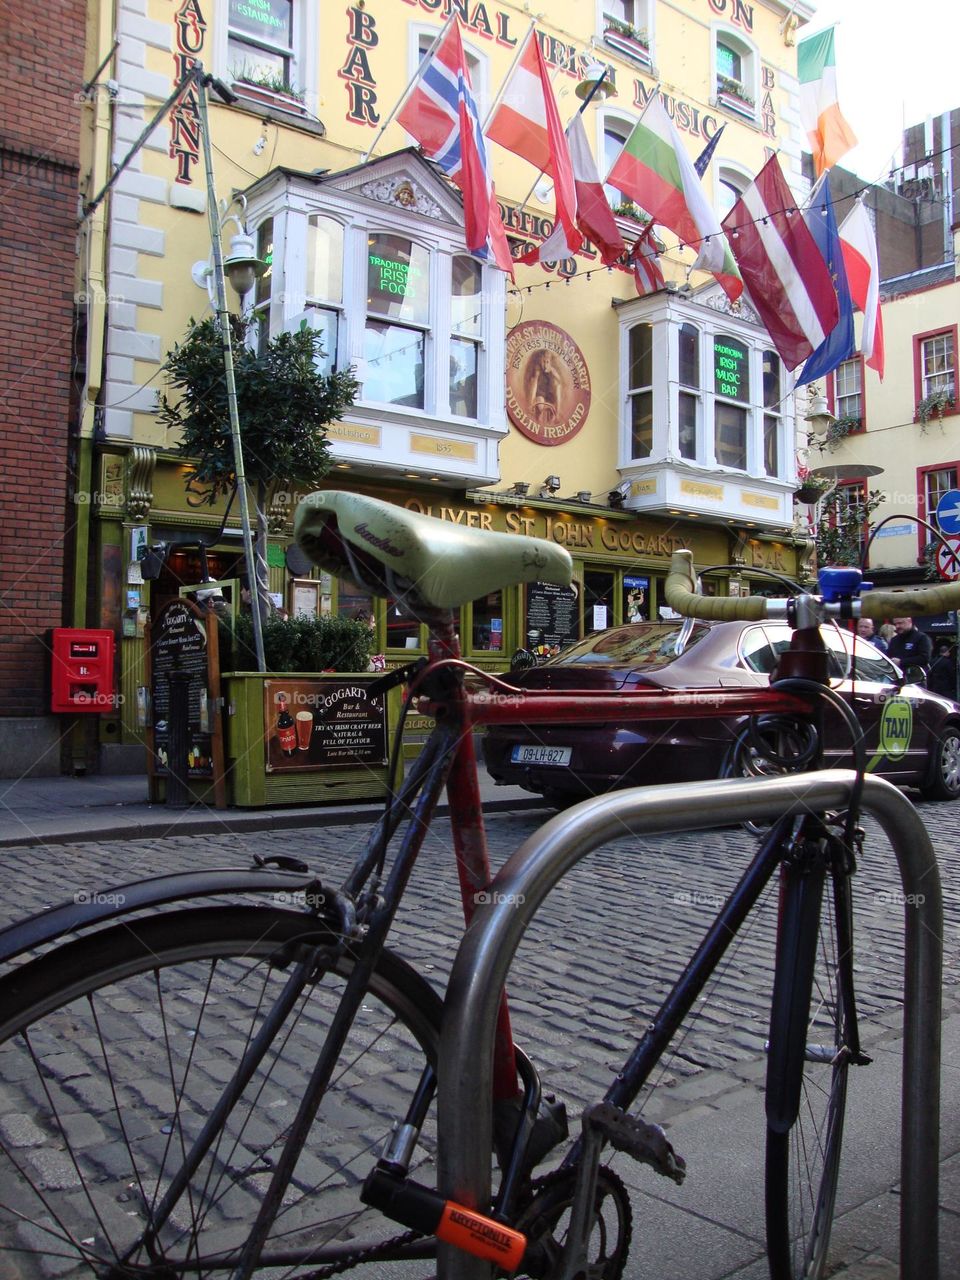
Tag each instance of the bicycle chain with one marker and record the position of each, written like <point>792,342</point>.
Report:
<point>370,1254</point>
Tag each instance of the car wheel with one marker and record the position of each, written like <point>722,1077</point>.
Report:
<point>560,799</point>
<point>945,781</point>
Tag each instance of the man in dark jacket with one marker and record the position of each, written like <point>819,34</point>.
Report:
<point>909,647</point>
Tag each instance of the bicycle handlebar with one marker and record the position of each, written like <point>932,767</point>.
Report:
<point>683,597</point>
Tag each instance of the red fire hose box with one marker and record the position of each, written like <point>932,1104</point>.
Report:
<point>82,676</point>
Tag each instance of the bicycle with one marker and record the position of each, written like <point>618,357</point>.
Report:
<point>197,1070</point>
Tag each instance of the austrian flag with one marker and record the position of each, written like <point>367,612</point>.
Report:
<point>782,268</point>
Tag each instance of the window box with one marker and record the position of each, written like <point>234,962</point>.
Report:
<point>935,374</point>
<point>281,99</point>
<point>935,404</point>
<point>628,40</point>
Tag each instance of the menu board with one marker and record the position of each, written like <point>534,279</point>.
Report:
<point>178,647</point>
<point>553,613</point>
<point>312,724</point>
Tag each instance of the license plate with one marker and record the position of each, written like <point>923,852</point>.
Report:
<point>541,755</point>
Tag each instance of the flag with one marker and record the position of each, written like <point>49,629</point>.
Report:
<point>594,217</point>
<point>646,268</point>
<point>830,135</point>
<point>781,266</point>
<point>840,344</point>
<point>527,122</point>
<point>654,170</point>
<point>863,274</point>
<point>706,155</point>
<point>441,113</point>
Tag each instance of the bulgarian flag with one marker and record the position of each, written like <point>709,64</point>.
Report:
<point>654,170</point>
<point>830,135</point>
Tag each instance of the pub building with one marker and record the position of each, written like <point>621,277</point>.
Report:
<point>557,405</point>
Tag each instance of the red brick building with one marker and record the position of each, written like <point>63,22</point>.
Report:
<point>40,113</point>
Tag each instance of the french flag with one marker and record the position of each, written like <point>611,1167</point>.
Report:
<point>441,113</point>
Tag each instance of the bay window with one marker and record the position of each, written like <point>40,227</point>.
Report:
<point>773,412</point>
<point>465,312</point>
<point>640,390</point>
<point>325,283</point>
<point>398,308</point>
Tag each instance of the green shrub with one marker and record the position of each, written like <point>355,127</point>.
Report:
<point>298,644</point>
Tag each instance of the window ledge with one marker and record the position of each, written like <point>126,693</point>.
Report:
<point>736,107</point>
<point>375,411</point>
<point>279,109</point>
<point>628,48</point>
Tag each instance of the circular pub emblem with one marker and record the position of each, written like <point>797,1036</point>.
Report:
<point>548,382</point>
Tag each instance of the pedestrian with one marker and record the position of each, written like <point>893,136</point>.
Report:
<point>942,677</point>
<point>911,648</point>
<point>866,630</point>
<point>887,632</point>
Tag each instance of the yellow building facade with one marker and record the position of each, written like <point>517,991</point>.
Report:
<point>558,404</point>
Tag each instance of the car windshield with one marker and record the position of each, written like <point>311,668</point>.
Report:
<point>643,645</point>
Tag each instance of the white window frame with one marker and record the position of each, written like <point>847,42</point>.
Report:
<point>478,64</point>
<point>841,395</point>
<point>733,174</point>
<point>750,61</point>
<point>306,36</point>
<point>621,122</point>
<point>946,379</point>
<point>643,19</point>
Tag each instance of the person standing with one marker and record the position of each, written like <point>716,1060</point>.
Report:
<point>942,677</point>
<point>866,630</point>
<point>910,647</point>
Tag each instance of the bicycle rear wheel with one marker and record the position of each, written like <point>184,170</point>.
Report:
<point>114,1051</point>
<point>809,1060</point>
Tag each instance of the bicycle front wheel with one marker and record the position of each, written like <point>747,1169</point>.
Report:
<point>114,1051</point>
<point>809,1060</point>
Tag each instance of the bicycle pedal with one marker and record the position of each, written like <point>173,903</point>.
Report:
<point>646,1143</point>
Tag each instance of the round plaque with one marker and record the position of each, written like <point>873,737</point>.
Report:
<point>548,383</point>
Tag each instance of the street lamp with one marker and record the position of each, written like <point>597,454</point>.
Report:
<point>241,266</point>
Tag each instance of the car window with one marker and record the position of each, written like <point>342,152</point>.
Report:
<point>870,664</point>
<point>644,646</point>
<point>761,647</point>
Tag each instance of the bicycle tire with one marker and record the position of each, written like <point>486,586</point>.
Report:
<point>113,1050</point>
<point>806,1075</point>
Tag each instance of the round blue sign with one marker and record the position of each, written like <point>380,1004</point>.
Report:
<point>948,512</point>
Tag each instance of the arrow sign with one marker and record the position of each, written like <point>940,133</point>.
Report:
<point>948,512</point>
<point>948,559</point>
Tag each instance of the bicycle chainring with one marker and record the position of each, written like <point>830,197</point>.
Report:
<point>546,1215</point>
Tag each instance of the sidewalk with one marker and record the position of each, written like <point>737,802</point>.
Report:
<point>63,810</point>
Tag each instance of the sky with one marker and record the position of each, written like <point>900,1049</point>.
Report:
<point>896,65</point>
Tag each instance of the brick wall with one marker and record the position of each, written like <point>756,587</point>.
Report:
<point>40,114</point>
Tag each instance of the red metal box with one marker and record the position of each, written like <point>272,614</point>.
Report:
<point>82,675</point>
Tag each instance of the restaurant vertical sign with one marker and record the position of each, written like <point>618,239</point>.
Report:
<point>190,27</point>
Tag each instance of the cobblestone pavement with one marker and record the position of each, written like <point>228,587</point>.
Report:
<point>605,949</point>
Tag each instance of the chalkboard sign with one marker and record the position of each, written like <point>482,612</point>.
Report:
<point>553,613</point>
<point>316,723</point>
<point>178,647</point>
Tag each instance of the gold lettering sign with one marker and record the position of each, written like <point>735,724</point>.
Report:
<point>640,487</point>
<point>441,448</point>
<point>765,500</point>
<point>548,383</point>
<point>354,434</point>
<point>697,489</point>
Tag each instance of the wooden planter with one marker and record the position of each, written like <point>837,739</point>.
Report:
<point>332,746</point>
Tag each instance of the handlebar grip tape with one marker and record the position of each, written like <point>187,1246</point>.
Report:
<point>913,602</point>
<point>682,596</point>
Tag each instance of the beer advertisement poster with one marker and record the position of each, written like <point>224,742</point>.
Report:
<point>313,724</point>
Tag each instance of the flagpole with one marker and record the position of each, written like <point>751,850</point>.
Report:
<point>409,89</point>
<point>506,79</point>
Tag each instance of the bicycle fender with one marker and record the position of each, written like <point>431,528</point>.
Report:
<point>94,907</point>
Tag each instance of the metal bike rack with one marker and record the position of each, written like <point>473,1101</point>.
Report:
<point>488,947</point>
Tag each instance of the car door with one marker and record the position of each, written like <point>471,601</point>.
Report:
<point>896,735</point>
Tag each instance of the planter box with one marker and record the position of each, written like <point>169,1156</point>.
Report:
<point>268,97</point>
<point>332,742</point>
<point>627,46</point>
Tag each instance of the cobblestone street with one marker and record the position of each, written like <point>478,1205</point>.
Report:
<point>605,949</point>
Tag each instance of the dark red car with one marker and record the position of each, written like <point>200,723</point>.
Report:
<point>912,736</point>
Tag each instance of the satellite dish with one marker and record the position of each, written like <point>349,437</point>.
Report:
<point>297,561</point>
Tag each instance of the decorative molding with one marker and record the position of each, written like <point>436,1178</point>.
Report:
<point>141,462</point>
<point>741,309</point>
<point>400,190</point>
<point>278,516</point>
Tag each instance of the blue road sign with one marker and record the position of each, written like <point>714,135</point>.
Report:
<point>948,512</point>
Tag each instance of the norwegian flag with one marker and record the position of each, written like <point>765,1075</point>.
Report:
<point>441,113</point>
<point>646,267</point>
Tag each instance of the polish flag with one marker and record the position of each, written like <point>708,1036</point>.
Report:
<point>859,246</point>
<point>594,216</point>
<point>527,122</point>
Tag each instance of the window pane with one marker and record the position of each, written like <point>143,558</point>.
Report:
<point>938,483</point>
<point>402,632</point>
<point>398,279</point>
<point>641,357</point>
<point>463,377</point>
<point>728,62</point>
<point>328,326</point>
<point>353,601</point>
<point>688,425</point>
<point>487,629</point>
<point>267,20</point>
<point>641,424</point>
<point>731,368</point>
<point>848,390</point>
<point>394,364</point>
<point>938,365</point>
<point>688,340</point>
<point>465,302</point>
<point>265,254</point>
<point>324,259</point>
<point>730,435</point>
<point>728,197</point>
<point>771,381</point>
<point>247,62</point>
<point>771,448</point>
<point>613,140</point>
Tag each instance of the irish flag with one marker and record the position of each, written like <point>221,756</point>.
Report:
<point>830,135</point>
<point>654,170</point>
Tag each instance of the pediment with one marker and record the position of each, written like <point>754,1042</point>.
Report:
<point>712,295</point>
<point>404,181</point>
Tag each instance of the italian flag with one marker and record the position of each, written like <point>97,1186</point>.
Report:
<point>654,170</point>
<point>830,135</point>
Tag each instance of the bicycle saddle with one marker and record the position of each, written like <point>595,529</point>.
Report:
<point>443,564</point>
